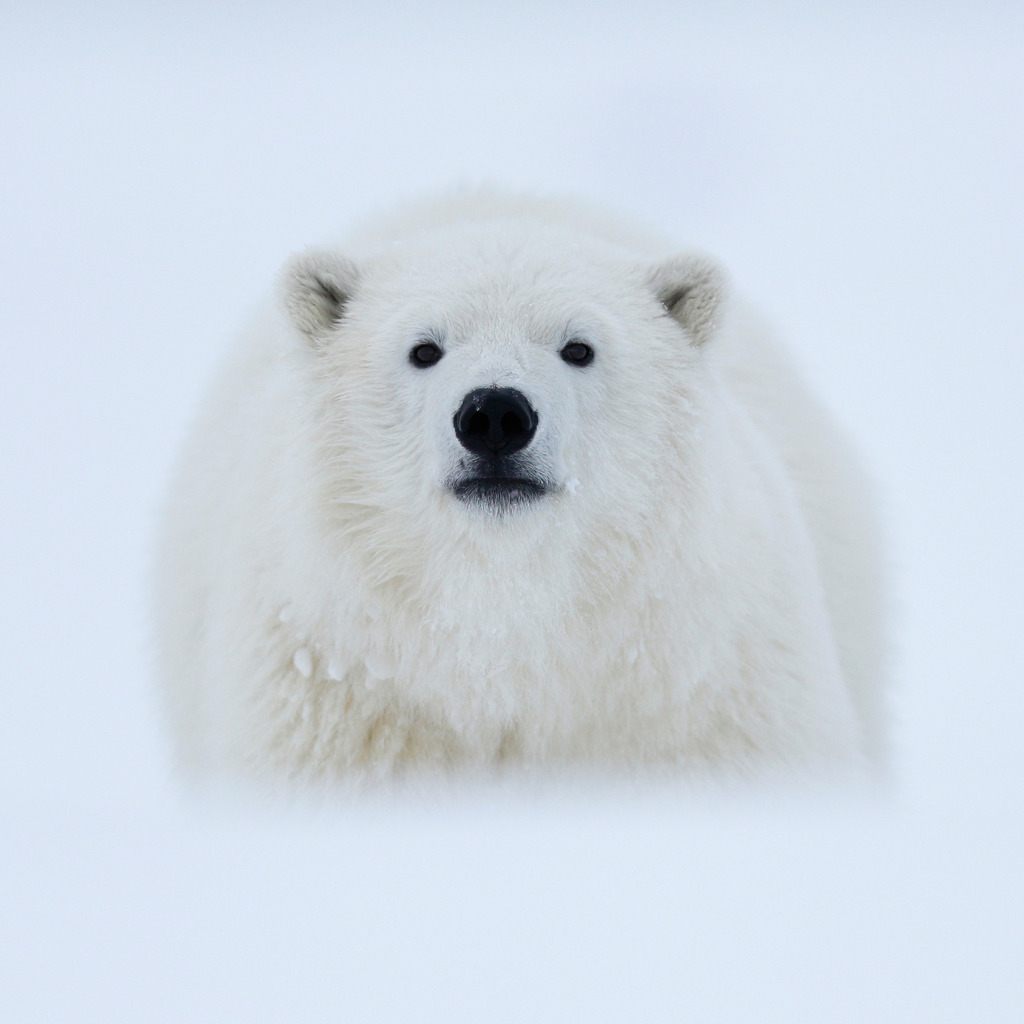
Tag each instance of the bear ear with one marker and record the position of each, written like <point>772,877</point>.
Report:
<point>692,288</point>
<point>315,287</point>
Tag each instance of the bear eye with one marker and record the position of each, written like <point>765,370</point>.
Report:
<point>425,354</point>
<point>577,353</point>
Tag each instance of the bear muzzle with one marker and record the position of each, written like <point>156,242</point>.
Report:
<point>493,424</point>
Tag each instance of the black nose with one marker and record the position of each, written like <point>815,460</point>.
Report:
<point>495,421</point>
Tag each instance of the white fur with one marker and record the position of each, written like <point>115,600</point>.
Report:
<point>698,588</point>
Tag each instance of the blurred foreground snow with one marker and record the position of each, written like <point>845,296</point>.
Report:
<point>563,907</point>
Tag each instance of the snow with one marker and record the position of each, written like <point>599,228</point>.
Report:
<point>857,170</point>
<point>303,661</point>
<point>379,666</point>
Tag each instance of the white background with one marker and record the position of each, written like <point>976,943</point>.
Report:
<point>859,172</point>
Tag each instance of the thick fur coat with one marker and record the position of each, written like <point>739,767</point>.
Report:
<point>358,576</point>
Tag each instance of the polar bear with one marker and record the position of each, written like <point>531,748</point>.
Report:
<point>504,481</point>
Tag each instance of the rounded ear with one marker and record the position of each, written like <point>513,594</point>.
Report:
<point>692,288</point>
<point>315,287</point>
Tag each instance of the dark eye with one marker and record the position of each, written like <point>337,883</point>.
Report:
<point>577,353</point>
<point>425,354</point>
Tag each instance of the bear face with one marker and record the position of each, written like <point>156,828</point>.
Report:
<point>468,372</point>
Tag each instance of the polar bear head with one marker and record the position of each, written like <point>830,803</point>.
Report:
<point>503,421</point>
<point>488,374</point>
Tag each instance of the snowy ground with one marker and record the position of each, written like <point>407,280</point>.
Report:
<point>859,172</point>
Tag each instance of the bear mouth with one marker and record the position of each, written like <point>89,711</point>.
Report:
<point>498,491</point>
